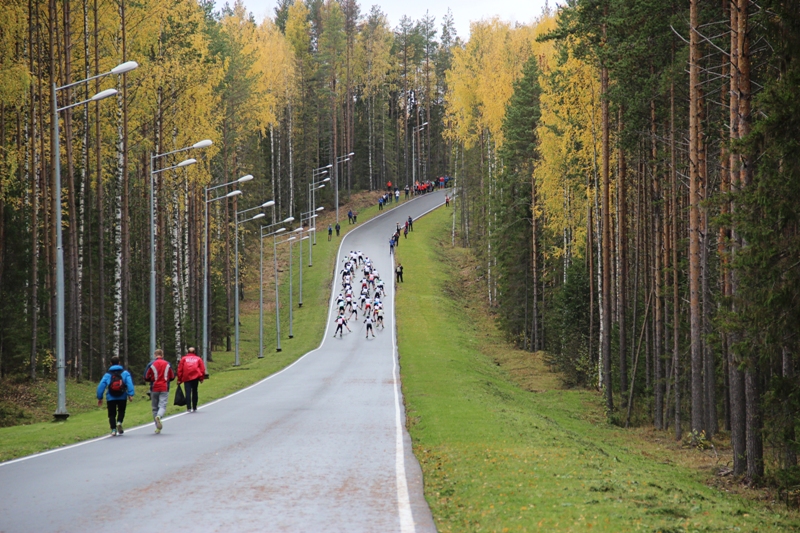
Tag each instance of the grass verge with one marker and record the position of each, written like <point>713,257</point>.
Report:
<point>497,456</point>
<point>32,405</point>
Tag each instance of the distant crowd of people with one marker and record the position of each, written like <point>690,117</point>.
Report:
<point>368,300</point>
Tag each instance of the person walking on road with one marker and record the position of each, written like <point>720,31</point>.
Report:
<point>399,272</point>
<point>192,372</point>
<point>159,374</point>
<point>330,232</point>
<point>391,245</point>
<point>338,227</point>
<point>117,384</point>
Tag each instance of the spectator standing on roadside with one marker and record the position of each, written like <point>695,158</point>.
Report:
<point>399,272</point>
<point>410,223</point>
<point>338,227</point>
<point>350,216</point>
<point>446,200</point>
<point>192,372</point>
<point>159,374</point>
<point>119,386</point>
<point>330,232</point>
<point>355,217</point>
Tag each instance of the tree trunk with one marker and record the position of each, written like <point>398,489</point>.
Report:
<point>606,247</point>
<point>659,376</point>
<point>698,424</point>
<point>736,377</point>
<point>675,265</point>
<point>623,265</point>
<point>34,176</point>
<point>101,258</point>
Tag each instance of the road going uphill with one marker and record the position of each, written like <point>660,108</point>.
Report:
<point>319,446</point>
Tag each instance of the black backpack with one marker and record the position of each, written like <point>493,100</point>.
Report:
<point>117,387</point>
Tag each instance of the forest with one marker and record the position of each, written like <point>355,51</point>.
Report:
<point>278,98</point>
<point>627,171</point>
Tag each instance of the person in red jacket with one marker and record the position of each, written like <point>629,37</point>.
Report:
<point>159,374</point>
<point>191,371</point>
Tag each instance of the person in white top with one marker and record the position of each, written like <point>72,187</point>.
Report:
<point>368,322</point>
<point>340,323</point>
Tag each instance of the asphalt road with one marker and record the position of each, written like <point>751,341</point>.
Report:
<point>320,446</point>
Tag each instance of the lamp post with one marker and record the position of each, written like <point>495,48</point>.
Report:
<point>340,159</point>
<point>291,287</point>
<point>413,151</point>
<point>270,203</point>
<point>261,280</point>
<point>313,187</point>
<point>61,406</point>
<point>310,216</point>
<point>277,295</point>
<point>185,163</point>
<point>243,179</point>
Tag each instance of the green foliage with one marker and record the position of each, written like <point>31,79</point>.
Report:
<point>495,456</point>
<point>567,320</point>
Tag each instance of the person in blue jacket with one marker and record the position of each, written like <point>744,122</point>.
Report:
<point>118,386</point>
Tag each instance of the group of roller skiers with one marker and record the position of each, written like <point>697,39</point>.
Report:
<point>394,240</point>
<point>117,384</point>
<point>365,294</point>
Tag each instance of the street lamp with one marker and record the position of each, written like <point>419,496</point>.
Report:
<point>61,406</point>
<point>185,163</point>
<point>340,159</point>
<point>261,280</point>
<point>270,203</point>
<point>291,287</point>
<point>413,151</point>
<point>311,217</point>
<point>243,179</point>
<point>277,295</point>
<point>315,185</point>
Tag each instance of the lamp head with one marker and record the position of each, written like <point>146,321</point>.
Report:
<point>104,94</point>
<point>203,144</point>
<point>320,208</point>
<point>279,231</point>
<point>268,204</point>
<point>245,178</point>
<point>288,220</point>
<point>327,179</point>
<point>260,215</point>
<point>231,194</point>
<point>187,162</point>
<point>353,153</point>
<point>122,68</point>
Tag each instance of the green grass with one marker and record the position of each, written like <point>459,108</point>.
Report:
<point>497,456</point>
<point>88,421</point>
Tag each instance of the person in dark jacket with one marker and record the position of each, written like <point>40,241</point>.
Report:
<point>191,371</point>
<point>118,386</point>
